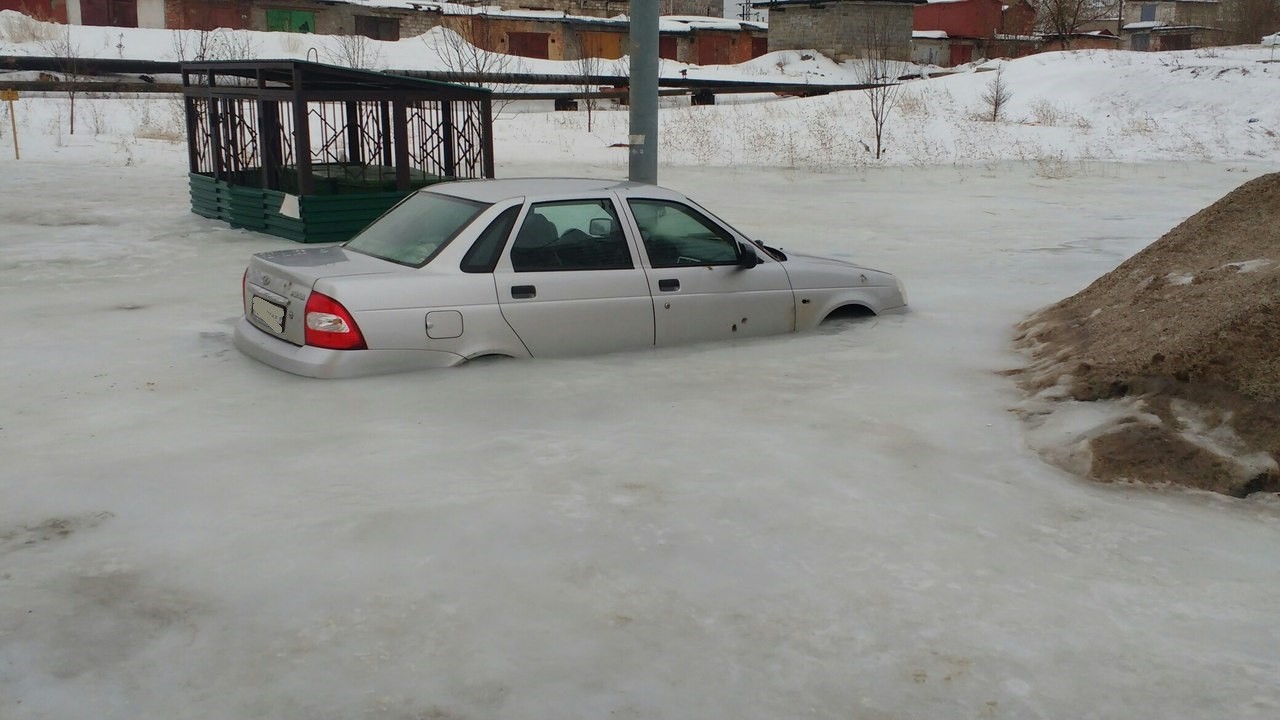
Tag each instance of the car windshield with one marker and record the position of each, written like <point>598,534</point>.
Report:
<point>416,229</point>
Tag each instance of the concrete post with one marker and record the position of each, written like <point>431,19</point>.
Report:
<point>643,165</point>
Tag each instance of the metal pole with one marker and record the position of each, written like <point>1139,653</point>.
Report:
<point>643,166</point>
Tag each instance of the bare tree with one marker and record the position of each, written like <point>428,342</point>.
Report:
<point>191,45</point>
<point>354,51</point>
<point>880,68</point>
<point>1062,19</point>
<point>586,66</point>
<point>220,44</point>
<point>462,43</point>
<point>997,95</point>
<point>1248,21</point>
<point>61,47</point>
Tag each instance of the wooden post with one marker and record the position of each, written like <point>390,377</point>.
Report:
<point>10,96</point>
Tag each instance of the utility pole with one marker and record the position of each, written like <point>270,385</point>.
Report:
<point>643,160</point>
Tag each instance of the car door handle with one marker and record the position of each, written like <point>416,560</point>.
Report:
<point>668,285</point>
<point>522,292</point>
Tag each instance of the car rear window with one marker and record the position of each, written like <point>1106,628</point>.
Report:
<point>417,229</point>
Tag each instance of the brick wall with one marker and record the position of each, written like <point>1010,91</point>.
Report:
<point>341,21</point>
<point>837,29</point>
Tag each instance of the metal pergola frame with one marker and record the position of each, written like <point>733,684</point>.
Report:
<point>274,124</point>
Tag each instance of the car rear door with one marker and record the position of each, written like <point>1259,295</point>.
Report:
<point>701,289</point>
<point>570,282</point>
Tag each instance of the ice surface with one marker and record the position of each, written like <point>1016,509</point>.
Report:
<point>847,523</point>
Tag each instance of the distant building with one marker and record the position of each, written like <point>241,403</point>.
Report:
<point>838,28</point>
<point>954,32</point>
<point>1172,25</point>
<point>252,14</point>
<point>604,8</point>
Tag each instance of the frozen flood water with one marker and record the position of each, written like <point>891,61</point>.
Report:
<point>844,524</point>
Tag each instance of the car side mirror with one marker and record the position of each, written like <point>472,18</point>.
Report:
<point>748,258</point>
<point>601,227</point>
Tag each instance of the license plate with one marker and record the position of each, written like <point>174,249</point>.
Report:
<point>268,312</point>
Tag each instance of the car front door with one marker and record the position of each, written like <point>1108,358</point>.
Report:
<point>701,289</point>
<point>569,284</point>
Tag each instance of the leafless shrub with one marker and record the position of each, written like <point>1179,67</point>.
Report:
<point>1142,124</point>
<point>880,68</point>
<point>1045,112</point>
<point>354,51</point>
<point>220,44</point>
<point>585,68</point>
<point>68,56</point>
<point>997,96</point>
<point>158,119</point>
<point>97,119</point>
<point>912,104</point>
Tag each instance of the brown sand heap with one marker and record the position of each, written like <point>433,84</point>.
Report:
<point>1188,333</point>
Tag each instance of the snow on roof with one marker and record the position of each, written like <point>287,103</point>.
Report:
<point>700,22</point>
<point>1145,25</point>
<point>929,34</point>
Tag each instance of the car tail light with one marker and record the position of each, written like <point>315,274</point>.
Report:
<point>329,325</point>
<point>244,291</point>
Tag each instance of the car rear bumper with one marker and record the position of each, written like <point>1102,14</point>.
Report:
<point>321,363</point>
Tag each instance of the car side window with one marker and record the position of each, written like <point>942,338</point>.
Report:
<point>675,234</point>
<point>571,235</point>
<point>485,251</point>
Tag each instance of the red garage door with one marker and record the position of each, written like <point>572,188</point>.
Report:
<point>110,13</point>
<point>529,44</point>
<point>712,50</point>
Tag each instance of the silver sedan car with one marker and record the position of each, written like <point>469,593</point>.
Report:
<point>536,268</point>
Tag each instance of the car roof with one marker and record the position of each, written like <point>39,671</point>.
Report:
<point>492,191</point>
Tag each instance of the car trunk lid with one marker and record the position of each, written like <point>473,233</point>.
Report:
<point>278,284</point>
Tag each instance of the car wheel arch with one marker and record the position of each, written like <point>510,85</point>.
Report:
<point>848,311</point>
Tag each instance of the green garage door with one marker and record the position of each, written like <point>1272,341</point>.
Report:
<point>298,21</point>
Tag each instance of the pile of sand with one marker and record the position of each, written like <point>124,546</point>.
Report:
<point>1188,333</point>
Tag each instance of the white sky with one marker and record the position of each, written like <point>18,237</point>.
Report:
<point>848,523</point>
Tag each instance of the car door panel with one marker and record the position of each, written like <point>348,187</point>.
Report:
<point>720,302</point>
<point>562,309</point>
<point>701,292</point>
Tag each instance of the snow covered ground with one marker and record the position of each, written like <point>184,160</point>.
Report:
<point>843,524</point>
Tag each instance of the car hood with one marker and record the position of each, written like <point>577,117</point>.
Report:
<point>816,271</point>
